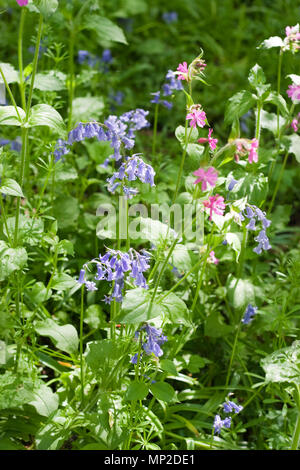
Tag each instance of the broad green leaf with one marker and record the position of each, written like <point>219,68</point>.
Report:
<point>38,293</point>
<point>255,188</point>
<point>279,101</point>
<point>234,242</point>
<point>294,145</point>
<point>64,337</point>
<point>88,108</point>
<point>168,366</point>
<point>50,81</point>
<point>283,365</point>
<point>30,229</point>
<point>136,307</point>
<point>155,231</point>
<point>94,317</point>
<point>241,292</point>
<point>273,41</point>
<point>136,391</point>
<point>269,121</point>
<point>46,7</point>
<point>46,115</point>
<point>105,29</point>
<point>62,281</point>
<point>45,401</point>
<point>181,259</point>
<point>11,187</point>
<point>195,151</point>
<point>9,72</point>
<point>163,391</point>
<point>174,310</point>
<point>191,133</point>
<point>256,76</point>
<point>215,326</point>
<point>66,211</point>
<point>9,116</point>
<point>238,105</point>
<point>11,259</point>
<point>102,355</point>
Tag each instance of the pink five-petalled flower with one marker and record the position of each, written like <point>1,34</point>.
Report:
<point>197,118</point>
<point>211,142</point>
<point>253,157</point>
<point>294,92</point>
<point>206,176</point>
<point>215,204</point>
<point>212,258</point>
<point>183,68</point>
<point>22,3</point>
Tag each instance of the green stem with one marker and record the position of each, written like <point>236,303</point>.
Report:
<point>10,94</point>
<point>242,257</point>
<point>278,182</point>
<point>71,77</point>
<point>278,85</point>
<point>81,346</point>
<point>20,57</point>
<point>3,212</point>
<point>257,129</point>
<point>232,354</point>
<point>34,65</point>
<point>182,162</point>
<point>155,130</point>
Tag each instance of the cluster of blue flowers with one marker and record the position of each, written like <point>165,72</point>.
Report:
<point>14,144</point>
<point>228,407</point>
<point>170,17</point>
<point>134,167</point>
<point>154,340</point>
<point>116,130</point>
<point>113,266</point>
<point>249,313</point>
<point>85,57</point>
<point>257,216</point>
<point>171,84</point>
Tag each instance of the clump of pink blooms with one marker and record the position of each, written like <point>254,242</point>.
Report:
<point>295,123</point>
<point>22,3</point>
<point>197,116</point>
<point>209,176</point>
<point>291,41</point>
<point>244,147</point>
<point>212,258</point>
<point>211,142</point>
<point>294,92</point>
<point>194,70</point>
<point>184,71</point>
<point>215,204</point>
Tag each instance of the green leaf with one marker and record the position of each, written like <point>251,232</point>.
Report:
<point>64,337</point>
<point>180,258</point>
<point>30,229</point>
<point>50,81</point>
<point>163,391</point>
<point>94,317</point>
<point>168,366</point>
<point>11,259</point>
<point>269,121</point>
<point>256,76</point>
<point>101,355</point>
<point>9,116</point>
<point>294,145</point>
<point>180,134</point>
<point>88,108</point>
<point>174,310</point>
<point>62,281</point>
<point>46,115</point>
<point>66,211</point>
<point>137,391</point>
<point>38,293</point>
<point>105,29</point>
<point>278,100</point>
<point>255,188</point>
<point>283,365</point>
<point>238,105</point>
<point>155,231</point>
<point>241,292</point>
<point>11,75</point>
<point>136,307</point>
<point>215,326</point>
<point>273,41</point>
<point>195,151</point>
<point>46,7</point>
<point>11,187</point>
<point>234,242</point>
<point>45,401</point>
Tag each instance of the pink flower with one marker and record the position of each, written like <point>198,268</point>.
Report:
<point>294,124</point>
<point>183,68</point>
<point>213,259</point>
<point>215,204</point>
<point>209,176</point>
<point>197,117</point>
<point>22,3</point>
<point>211,142</point>
<point>253,157</point>
<point>292,32</point>
<point>294,92</point>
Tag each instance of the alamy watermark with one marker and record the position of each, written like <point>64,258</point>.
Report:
<point>146,222</point>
